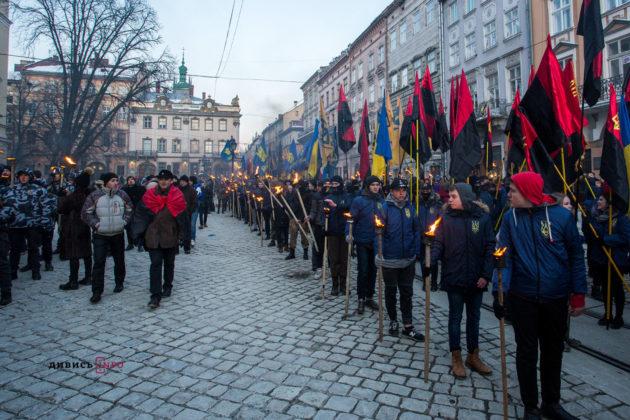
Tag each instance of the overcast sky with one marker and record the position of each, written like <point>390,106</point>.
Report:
<point>275,39</point>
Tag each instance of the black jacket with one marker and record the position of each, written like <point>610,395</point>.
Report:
<point>464,243</point>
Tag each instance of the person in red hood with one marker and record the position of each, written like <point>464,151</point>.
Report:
<point>545,275</point>
<point>161,219</point>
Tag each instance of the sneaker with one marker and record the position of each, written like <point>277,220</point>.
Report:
<point>119,288</point>
<point>411,333</point>
<point>393,328</point>
<point>192,242</point>
<point>317,274</point>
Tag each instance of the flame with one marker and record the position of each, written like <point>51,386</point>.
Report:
<point>296,178</point>
<point>277,189</point>
<point>378,222</point>
<point>257,169</point>
<point>347,215</point>
<point>500,252</point>
<point>433,227</point>
<point>69,160</point>
<point>259,199</point>
<point>326,210</point>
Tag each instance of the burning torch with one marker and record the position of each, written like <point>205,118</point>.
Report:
<point>429,236</point>
<point>11,161</point>
<point>258,204</point>
<point>326,211</point>
<point>379,226</point>
<point>499,264</point>
<point>348,216</point>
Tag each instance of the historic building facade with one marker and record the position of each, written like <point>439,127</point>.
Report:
<point>5,24</point>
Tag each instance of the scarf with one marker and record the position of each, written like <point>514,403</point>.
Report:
<point>173,200</point>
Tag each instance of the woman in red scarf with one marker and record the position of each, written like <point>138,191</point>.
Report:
<point>161,220</point>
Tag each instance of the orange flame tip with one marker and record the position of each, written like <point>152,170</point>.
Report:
<point>378,223</point>
<point>347,215</point>
<point>500,252</point>
<point>433,227</point>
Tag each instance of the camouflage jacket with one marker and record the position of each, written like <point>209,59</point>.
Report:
<point>32,204</point>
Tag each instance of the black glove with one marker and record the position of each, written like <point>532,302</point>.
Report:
<point>499,310</point>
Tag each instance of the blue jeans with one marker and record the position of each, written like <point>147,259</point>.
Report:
<point>456,301</point>
<point>193,225</point>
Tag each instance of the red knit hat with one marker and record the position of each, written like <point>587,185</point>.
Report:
<point>530,184</point>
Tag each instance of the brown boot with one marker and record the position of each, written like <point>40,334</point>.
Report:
<point>474,362</point>
<point>459,372</point>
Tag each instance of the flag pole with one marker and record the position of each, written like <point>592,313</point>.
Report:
<point>417,195</point>
<point>608,297</point>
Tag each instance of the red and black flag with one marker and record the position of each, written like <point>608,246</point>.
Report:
<point>613,163</point>
<point>546,106</point>
<point>513,130</point>
<point>577,145</point>
<point>413,135</point>
<point>591,28</point>
<point>538,160</point>
<point>345,132</point>
<point>487,156</point>
<point>452,108</point>
<point>466,145</point>
<point>428,109</point>
<point>532,73</point>
<point>442,138</point>
<point>364,143</point>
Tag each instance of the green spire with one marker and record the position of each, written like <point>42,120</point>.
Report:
<point>182,83</point>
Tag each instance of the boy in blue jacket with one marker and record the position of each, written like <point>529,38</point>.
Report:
<point>546,260</point>
<point>401,247</point>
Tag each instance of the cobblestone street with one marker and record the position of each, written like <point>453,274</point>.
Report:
<point>245,335</point>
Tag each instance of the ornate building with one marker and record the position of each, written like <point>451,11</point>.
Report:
<point>5,23</point>
<point>173,129</point>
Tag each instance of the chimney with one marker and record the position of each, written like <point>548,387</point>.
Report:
<point>203,95</point>
<point>157,86</point>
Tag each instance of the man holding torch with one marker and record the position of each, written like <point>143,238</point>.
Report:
<point>464,243</point>
<point>401,248</point>
<point>545,258</point>
<point>338,202</point>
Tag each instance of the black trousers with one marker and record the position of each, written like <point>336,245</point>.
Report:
<point>267,220</point>
<point>129,233</point>
<point>47,239</point>
<point>211,204</point>
<point>74,268</point>
<point>17,238</point>
<point>5,268</point>
<point>203,215</point>
<point>539,325</point>
<point>116,246</point>
<point>433,270</point>
<point>366,271</point>
<point>600,277</point>
<point>318,256</point>
<point>161,259</point>
<point>399,280</point>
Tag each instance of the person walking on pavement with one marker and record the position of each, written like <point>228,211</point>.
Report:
<point>401,248</point>
<point>7,214</point>
<point>316,216</point>
<point>107,211</point>
<point>363,209</point>
<point>464,243</point>
<point>338,202</point>
<point>545,258</point>
<point>161,219</point>
<point>75,234</point>
<point>135,192</point>
<point>190,195</point>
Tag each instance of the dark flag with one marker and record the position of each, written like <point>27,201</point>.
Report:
<point>466,146</point>
<point>429,109</point>
<point>546,106</point>
<point>405,130</point>
<point>452,106</point>
<point>413,127</point>
<point>364,143</point>
<point>488,158</point>
<point>443,140</point>
<point>577,145</point>
<point>591,28</point>
<point>613,163</point>
<point>344,123</point>
<point>532,73</point>
<point>513,130</point>
<point>538,160</point>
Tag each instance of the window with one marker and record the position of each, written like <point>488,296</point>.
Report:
<point>430,11</point>
<point>161,146</point>
<point>122,114</point>
<point>393,40</point>
<point>619,57</point>
<point>194,146</point>
<point>121,139</point>
<point>394,82</point>
<point>403,32</point>
<point>371,97</point>
<point>120,170</point>
<point>177,123</point>
<point>381,54</point>
<point>354,104</point>
<point>469,6</point>
<point>381,87</point>
<point>453,54</point>
<point>561,15</point>
<point>453,13</point>
<point>177,146</point>
<point>147,121</point>
<point>616,3</point>
<point>353,75</point>
<point>162,123</point>
<point>472,86</point>
<point>194,124</point>
<point>512,26</point>
<point>223,124</point>
<point>371,62</point>
<point>432,61</point>
<point>207,147</point>
<point>146,146</point>
<point>489,35</point>
<point>514,79</point>
<point>360,70</point>
<point>404,77</point>
<point>161,166</point>
<point>492,82</point>
<point>416,21</point>
<point>470,49</point>
<point>208,124</point>
<point>327,100</point>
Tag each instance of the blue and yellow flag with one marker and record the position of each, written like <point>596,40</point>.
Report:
<point>624,122</point>
<point>260,156</point>
<point>383,148</point>
<point>289,157</point>
<point>227,154</point>
<point>311,154</point>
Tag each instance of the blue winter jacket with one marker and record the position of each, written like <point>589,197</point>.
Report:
<point>336,220</point>
<point>429,211</point>
<point>363,209</point>
<point>619,240</point>
<point>542,264</point>
<point>401,235</point>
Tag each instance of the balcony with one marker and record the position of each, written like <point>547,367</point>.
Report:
<point>498,108</point>
<point>617,83</point>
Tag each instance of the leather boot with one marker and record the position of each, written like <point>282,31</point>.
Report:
<point>361,307</point>
<point>71,285</point>
<point>459,372</point>
<point>335,287</point>
<point>291,255</point>
<point>474,363</point>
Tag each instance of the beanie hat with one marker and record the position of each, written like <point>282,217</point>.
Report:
<point>531,184</point>
<point>108,176</point>
<point>370,180</point>
<point>83,180</point>
<point>466,194</point>
<point>337,178</point>
<point>184,178</point>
